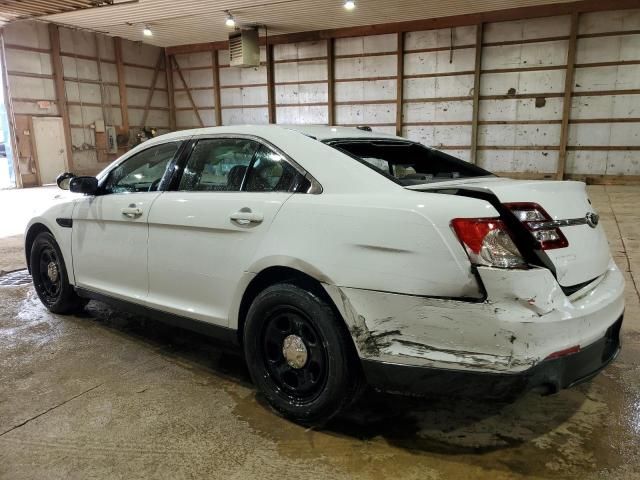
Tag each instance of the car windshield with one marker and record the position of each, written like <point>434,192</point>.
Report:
<point>407,163</point>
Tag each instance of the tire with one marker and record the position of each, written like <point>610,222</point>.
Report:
<point>317,384</point>
<point>50,278</point>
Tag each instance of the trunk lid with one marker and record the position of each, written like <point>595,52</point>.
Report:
<point>587,256</point>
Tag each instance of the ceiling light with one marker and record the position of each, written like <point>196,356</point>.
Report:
<point>349,4</point>
<point>230,21</point>
<point>147,31</point>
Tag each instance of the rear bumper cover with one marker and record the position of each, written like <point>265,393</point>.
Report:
<point>551,375</point>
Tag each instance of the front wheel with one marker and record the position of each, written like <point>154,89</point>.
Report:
<point>50,278</point>
<point>299,354</point>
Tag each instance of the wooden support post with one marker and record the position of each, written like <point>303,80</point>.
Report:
<point>12,121</point>
<point>270,85</point>
<point>568,90</point>
<point>61,96</point>
<point>122,85</point>
<point>216,87</point>
<point>331,114</point>
<point>400,84</point>
<point>473,156</point>
<point>188,91</point>
<point>147,104</point>
<point>170,91</point>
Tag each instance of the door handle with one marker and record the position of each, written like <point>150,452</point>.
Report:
<point>246,216</point>
<point>131,211</point>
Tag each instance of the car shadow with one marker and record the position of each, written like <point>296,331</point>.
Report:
<point>435,424</point>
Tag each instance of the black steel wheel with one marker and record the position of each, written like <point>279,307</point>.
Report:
<point>300,354</point>
<point>293,353</point>
<point>50,278</point>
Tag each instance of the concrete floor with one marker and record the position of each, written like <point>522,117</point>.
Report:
<point>108,395</point>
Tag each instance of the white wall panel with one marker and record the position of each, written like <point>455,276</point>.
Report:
<point>439,135</point>
<point>523,55</point>
<point>446,111</point>
<point>363,114</point>
<point>527,29</point>
<point>363,67</point>
<point>28,62</point>
<point>305,93</point>
<point>519,135</point>
<point>365,90</point>
<point>293,51</point>
<point>438,62</point>
<point>620,77</point>
<point>302,115</point>
<point>235,116</point>
<point>440,38</point>
<point>244,96</point>
<point>371,44</point>
<point>536,161</point>
<point>520,109</point>
<point>611,21</point>
<point>436,87</point>
<point>545,81</point>
<point>302,71</point>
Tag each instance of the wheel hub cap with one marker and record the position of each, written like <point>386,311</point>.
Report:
<point>294,351</point>
<point>52,271</point>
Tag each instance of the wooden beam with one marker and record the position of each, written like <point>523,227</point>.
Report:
<point>518,13</point>
<point>566,103</point>
<point>476,94</point>
<point>271,94</point>
<point>15,152</point>
<point>400,84</point>
<point>61,97</point>
<point>170,90</point>
<point>217,102</point>
<point>331,107</point>
<point>122,85</point>
<point>188,92</point>
<point>156,72</point>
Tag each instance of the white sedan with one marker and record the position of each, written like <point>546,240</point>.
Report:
<point>339,257</point>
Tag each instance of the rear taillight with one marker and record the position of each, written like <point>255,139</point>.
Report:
<point>487,242</point>
<point>539,223</point>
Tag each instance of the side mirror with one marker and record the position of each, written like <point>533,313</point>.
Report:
<point>63,180</point>
<point>86,185</point>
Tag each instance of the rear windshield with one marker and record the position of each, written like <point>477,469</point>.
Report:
<point>407,163</point>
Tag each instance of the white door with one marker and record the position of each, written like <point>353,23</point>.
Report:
<point>110,229</point>
<point>202,238</point>
<point>51,150</point>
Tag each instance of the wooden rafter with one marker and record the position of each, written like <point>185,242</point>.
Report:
<point>566,103</point>
<point>61,97</point>
<point>122,85</point>
<point>331,116</point>
<point>271,101</point>
<point>476,95</point>
<point>217,102</point>
<point>400,84</point>
<point>188,92</point>
<point>152,90</point>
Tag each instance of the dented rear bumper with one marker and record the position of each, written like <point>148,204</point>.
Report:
<point>549,376</point>
<point>525,318</point>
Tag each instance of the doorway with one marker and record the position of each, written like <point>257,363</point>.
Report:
<point>50,148</point>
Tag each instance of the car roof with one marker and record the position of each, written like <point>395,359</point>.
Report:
<point>318,132</point>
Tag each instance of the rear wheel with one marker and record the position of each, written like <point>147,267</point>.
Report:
<point>299,354</point>
<point>50,277</point>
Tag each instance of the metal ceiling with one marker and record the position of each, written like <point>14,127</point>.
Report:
<point>180,22</point>
<point>22,9</point>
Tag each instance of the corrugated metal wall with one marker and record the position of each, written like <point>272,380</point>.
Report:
<point>517,118</point>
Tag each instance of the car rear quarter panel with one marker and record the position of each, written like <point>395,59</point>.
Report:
<point>395,243</point>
